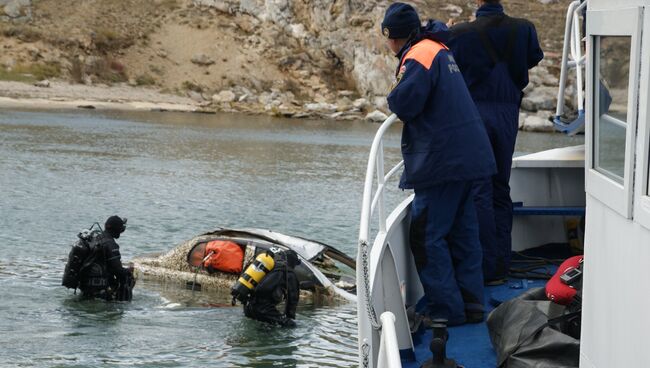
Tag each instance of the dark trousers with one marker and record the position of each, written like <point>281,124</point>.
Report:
<point>445,244</point>
<point>492,195</point>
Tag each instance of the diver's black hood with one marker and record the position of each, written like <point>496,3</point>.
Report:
<point>286,259</point>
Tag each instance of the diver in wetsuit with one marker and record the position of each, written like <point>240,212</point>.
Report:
<point>278,285</point>
<point>104,277</point>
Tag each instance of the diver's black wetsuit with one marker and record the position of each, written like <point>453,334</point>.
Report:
<point>280,282</point>
<point>120,278</point>
<point>105,277</point>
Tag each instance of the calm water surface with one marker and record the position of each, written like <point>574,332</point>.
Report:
<point>174,176</point>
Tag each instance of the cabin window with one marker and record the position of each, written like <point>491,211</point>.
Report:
<point>613,69</point>
<point>612,75</point>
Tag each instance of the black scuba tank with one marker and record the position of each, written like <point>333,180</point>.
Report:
<point>79,257</point>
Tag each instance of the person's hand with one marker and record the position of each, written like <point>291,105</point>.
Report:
<point>450,22</point>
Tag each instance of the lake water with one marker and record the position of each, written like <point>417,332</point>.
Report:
<point>174,175</point>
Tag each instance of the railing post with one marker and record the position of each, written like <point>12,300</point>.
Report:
<point>388,347</point>
<point>577,54</point>
<point>368,324</point>
<point>380,183</point>
<point>568,31</point>
<point>364,225</point>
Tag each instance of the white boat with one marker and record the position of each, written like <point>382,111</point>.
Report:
<point>608,176</point>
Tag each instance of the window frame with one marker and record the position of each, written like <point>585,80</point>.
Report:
<point>620,22</point>
<point>642,188</point>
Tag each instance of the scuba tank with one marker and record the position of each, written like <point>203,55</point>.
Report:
<point>251,277</point>
<point>79,256</point>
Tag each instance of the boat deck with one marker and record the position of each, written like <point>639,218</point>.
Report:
<point>469,345</point>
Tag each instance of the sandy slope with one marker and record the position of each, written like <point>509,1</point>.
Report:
<point>65,95</point>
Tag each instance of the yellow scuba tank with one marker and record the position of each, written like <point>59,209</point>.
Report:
<point>252,276</point>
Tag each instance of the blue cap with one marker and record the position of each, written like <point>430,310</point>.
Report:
<point>400,21</point>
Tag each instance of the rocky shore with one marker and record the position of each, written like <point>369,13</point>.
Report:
<point>279,57</point>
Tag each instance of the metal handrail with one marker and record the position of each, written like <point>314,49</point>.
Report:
<point>576,53</point>
<point>376,159</point>
<point>380,189</point>
<point>388,348</point>
<point>368,206</point>
<point>572,48</point>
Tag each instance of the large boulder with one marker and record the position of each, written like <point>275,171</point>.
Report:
<point>537,123</point>
<point>16,9</point>
<point>225,96</point>
<point>540,98</point>
<point>202,59</point>
<point>321,107</point>
<point>376,116</point>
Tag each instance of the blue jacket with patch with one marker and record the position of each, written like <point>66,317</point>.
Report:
<point>443,138</point>
<point>492,38</point>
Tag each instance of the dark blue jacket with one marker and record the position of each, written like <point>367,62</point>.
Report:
<point>512,39</point>
<point>443,138</point>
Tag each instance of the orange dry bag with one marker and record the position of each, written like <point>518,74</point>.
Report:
<point>223,255</point>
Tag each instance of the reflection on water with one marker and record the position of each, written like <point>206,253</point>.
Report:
<point>174,176</point>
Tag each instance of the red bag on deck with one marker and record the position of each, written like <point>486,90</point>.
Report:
<point>227,256</point>
<point>558,290</point>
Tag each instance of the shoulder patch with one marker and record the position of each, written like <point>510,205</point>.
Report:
<point>424,52</point>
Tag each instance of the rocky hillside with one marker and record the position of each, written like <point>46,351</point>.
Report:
<point>292,58</point>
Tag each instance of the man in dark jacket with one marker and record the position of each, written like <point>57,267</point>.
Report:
<point>445,148</point>
<point>281,284</point>
<point>494,53</point>
<point>105,277</point>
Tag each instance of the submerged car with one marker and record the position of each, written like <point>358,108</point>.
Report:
<point>325,273</point>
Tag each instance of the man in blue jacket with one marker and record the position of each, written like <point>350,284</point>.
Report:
<point>445,148</point>
<point>494,53</point>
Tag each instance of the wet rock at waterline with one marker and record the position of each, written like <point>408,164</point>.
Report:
<point>539,122</point>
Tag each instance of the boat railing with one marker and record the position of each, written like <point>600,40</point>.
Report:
<point>374,202</point>
<point>573,41</point>
<point>370,204</point>
<point>388,347</point>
